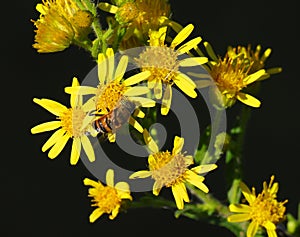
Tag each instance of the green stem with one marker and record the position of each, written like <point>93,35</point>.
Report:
<point>85,44</point>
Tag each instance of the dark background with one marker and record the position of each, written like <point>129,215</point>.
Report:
<point>41,197</point>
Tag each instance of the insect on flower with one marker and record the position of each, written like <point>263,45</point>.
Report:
<point>114,119</point>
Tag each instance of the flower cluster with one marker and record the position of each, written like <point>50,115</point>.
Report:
<point>167,60</point>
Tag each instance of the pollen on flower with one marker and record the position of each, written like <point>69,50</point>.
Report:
<point>109,96</point>
<point>265,208</point>
<point>72,120</point>
<point>127,12</point>
<point>229,75</point>
<point>161,62</point>
<point>167,168</point>
<point>106,199</point>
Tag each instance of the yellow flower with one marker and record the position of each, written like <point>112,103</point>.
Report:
<point>171,169</point>
<point>231,75</point>
<point>113,89</point>
<point>139,16</point>
<point>163,63</point>
<point>263,210</point>
<point>107,199</point>
<point>60,22</point>
<point>68,124</point>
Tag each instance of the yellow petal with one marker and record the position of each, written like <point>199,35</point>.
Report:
<point>45,127</point>
<point>178,144</point>
<point>185,79</point>
<point>204,83</point>
<point>202,169</point>
<point>75,99</point>
<point>271,233</point>
<point>110,178</point>
<point>102,68</point>
<point>121,68</point>
<point>58,146</point>
<point>174,25</point>
<point>252,229</point>
<point>250,197</point>
<point>166,101</point>
<point>156,188</point>
<point>122,186</point>
<point>210,51</point>
<point>111,63</point>
<point>254,76</point>
<point>142,101</point>
<point>196,180</point>
<point>139,113</point>
<point>87,147</point>
<point>150,142</point>
<point>193,61</point>
<point>124,195</point>
<point>114,212</point>
<point>137,78</point>
<point>80,90</point>
<point>269,225</point>
<point>238,218</point>
<point>108,7</point>
<point>140,174</point>
<point>158,89</point>
<point>182,35</point>
<point>89,182</point>
<point>242,208</point>
<point>95,215</point>
<point>189,45</point>
<point>57,135</point>
<point>248,100</point>
<point>41,8</point>
<point>180,195</point>
<point>51,105</point>
<point>136,124</point>
<point>75,152</point>
<point>186,88</point>
<point>111,137</point>
<point>137,90</point>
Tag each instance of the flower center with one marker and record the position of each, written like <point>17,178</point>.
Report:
<point>72,121</point>
<point>229,75</point>
<point>109,96</point>
<point>161,62</point>
<point>127,12</point>
<point>82,19</point>
<point>106,199</point>
<point>267,208</point>
<point>168,169</point>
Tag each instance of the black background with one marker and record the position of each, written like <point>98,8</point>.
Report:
<point>41,197</point>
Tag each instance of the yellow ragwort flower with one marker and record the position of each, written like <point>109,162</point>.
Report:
<point>68,125</point>
<point>171,169</point>
<point>231,75</point>
<point>60,22</point>
<point>139,16</point>
<point>163,63</point>
<point>263,210</point>
<point>113,89</point>
<point>107,199</point>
